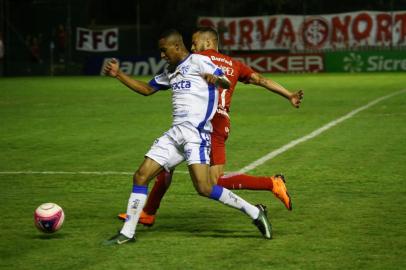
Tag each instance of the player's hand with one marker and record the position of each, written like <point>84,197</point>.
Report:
<point>111,68</point>
<point>221,81</point>
<point>210,78</point>
<point>296,98</point>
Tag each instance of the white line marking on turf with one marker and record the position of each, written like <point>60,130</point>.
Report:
<point>313,134</point>
<point>254,164</point>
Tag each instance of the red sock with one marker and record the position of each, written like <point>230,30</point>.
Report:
<point>161,185</point>
<point>245,181</point>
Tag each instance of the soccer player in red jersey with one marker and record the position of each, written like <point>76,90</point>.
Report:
<point>205,42</point>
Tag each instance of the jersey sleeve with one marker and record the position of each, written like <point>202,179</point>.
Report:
<point>245,72</point>
<point>160,82</point>
<point>207,66</point>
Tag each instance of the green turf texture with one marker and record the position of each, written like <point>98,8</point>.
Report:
<point>348,184</point>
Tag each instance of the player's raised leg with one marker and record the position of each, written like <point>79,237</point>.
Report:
<point>200,173</point>
<point>275,184</point>
<point>148,169</point>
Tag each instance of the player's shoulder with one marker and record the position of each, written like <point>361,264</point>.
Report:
<point>197,59</point>
<point>220,58</point>
<point>240,64</point>
<point>165,72</point>
<point>162,76</point>
<point>235,62</point>
<point>213,54</point>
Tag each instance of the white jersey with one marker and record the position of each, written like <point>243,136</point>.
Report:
<point>193,100</point>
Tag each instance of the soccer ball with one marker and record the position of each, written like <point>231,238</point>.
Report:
<point>49,217</point>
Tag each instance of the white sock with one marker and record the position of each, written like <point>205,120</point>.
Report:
<point>136,203</point>
<point>229,198</point>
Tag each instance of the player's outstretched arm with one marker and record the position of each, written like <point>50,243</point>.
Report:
<point>112,69</point>
<point>294,98</point>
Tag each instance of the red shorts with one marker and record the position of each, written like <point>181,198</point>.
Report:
<point>221,129</point>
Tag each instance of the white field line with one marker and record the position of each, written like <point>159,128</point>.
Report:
<point>249,167</point>
<point>315,133</point>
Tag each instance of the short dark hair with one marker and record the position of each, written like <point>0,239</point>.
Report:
<point>169,33</point>
<point>207,29</point>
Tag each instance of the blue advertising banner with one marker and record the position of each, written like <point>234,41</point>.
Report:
<point>131,65</point>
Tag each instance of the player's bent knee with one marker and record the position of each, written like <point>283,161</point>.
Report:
<point>204,191</point>
<point>140,178</point>
<point>216,172</point>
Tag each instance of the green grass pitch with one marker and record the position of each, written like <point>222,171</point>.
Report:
<point>348,184</point>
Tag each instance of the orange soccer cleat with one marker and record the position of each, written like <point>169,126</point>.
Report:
<point>280,191</point>
<point>145,219</point>
<point>122,216</point>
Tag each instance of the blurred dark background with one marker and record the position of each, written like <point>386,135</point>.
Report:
<point>47,27</point>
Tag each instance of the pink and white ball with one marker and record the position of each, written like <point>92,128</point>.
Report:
<point>49,217</point>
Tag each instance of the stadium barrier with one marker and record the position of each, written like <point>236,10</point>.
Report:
<point>365,61</point>
<point>343,61</point>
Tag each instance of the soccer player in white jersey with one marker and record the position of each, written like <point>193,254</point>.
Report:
<point>193,79</point>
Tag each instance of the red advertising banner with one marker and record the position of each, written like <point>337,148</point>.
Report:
<point>283,62</point>
<point>316,32</point>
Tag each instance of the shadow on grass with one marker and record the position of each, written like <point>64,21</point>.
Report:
<point>207,231</point>
<point>214,234</point>
<point>49,236</point>
<point>203,225</point>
